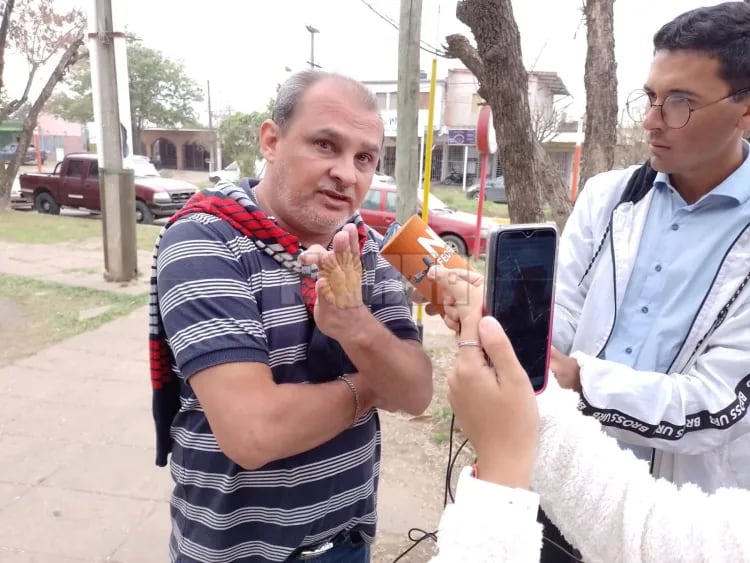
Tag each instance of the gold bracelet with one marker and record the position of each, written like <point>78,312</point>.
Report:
<point>353,389</point>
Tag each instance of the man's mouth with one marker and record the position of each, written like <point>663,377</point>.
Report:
<point>333,194</point>
<point>658,145</point>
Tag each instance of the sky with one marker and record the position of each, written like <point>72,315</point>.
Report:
<point>244,48</point>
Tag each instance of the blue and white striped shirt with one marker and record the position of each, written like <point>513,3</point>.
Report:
<point>223,300</point>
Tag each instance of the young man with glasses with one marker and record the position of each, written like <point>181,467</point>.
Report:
<point>652,316</point>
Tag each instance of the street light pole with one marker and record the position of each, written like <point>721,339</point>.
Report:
<point>312,31</point>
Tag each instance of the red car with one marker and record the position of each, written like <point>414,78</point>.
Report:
<point>456,228</point>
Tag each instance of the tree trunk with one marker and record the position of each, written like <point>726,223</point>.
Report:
<point>555,188</point>
<point>600,79</point>
<point>4,27</point>
<point>497,63</point>
<point>71,55</point>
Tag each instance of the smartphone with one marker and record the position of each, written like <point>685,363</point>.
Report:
<point>520,291</point>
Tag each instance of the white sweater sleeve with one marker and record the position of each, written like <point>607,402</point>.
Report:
<point>489,523</point>
<point>606,503</point>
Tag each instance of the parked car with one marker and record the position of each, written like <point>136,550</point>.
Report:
<point>231,173</point>
<point>456,228</point>
<point>8,152</point>
<point>75,183</point>
<point>17,199</point>
<point>494,190</point>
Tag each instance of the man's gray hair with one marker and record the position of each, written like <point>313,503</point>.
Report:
<point>290,93</point>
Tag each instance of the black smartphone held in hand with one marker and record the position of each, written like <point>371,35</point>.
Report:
<point>520,286</point>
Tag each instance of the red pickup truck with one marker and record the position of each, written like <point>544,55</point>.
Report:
<point>75,183</point>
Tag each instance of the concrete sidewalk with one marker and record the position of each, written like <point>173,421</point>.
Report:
<point>77,474</point>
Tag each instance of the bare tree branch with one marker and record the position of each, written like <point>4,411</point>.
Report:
<point>43,32</point>
<point>38,32</point>
<point>459,47</point>
<point>72,54</point>
<point>14,105</point>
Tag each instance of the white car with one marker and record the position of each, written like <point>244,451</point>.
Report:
<point>17,198</point>
<point>231,173</point>
<point>382,180</point>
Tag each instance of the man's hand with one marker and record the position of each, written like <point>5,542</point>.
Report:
<point>339,306</point>
<point>566,370</point>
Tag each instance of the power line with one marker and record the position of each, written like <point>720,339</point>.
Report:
<point>424,46</point>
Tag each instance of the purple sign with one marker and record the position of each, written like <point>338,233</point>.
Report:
<point>462,137</point>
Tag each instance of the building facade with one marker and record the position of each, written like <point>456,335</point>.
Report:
<point>456,111</point>
<point>386,92</point>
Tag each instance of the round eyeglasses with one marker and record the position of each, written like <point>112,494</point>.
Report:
<point>675,110</point>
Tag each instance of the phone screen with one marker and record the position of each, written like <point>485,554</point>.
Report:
<point>522,286</point>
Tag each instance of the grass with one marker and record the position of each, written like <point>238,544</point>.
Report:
<point>454,197</point>
<point>441,421</point>
<point>42,313</point>
<point>35,228</point>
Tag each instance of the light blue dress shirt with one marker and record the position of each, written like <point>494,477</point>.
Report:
<point>680,251</point>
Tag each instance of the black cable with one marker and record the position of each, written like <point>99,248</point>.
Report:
<point>561,548</point>
<point>424,45</point>
<point>447,492</point>
<point>447,488</point>
<point>417,541</point>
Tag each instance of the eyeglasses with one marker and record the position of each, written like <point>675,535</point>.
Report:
<point>675,111</point>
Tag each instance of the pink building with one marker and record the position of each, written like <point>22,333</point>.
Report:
<point>57,134</point>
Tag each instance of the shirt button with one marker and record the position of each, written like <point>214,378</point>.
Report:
<point>658,268</point>
<point>628,350</point>
<point>644,310</point>
<point>675,227</point>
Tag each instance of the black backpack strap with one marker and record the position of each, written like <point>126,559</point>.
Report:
<point>639,184</point>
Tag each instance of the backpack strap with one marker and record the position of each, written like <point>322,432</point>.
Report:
<point>639,184</point>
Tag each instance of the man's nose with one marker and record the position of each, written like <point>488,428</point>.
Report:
<point>344,170</point>
<point>653,119</point>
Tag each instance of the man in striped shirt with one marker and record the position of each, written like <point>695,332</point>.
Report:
<point>267,462</point>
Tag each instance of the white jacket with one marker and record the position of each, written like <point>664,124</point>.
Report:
<point>694,416</point>
<point>606,503</point>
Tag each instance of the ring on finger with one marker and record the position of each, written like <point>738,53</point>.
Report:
<point>475,343</point>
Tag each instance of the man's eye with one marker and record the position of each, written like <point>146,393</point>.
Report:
<point>365,158</point>
<point>323,144</point>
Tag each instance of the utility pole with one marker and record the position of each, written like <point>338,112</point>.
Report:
<point>312,31</point>
<point>116,186</point>
<point>407,157</point>
<point>214,137</point>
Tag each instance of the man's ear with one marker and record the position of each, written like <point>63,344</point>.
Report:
<point>744,123</point>
<point>268,139</point>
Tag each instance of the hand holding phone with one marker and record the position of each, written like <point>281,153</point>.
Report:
<point>520,282</point>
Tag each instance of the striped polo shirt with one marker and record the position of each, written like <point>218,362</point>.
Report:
<point>224,300</point>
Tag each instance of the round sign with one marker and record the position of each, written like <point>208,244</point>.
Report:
<point>486,138</point>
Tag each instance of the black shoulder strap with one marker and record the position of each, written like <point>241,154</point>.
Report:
<point>639,184</point>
